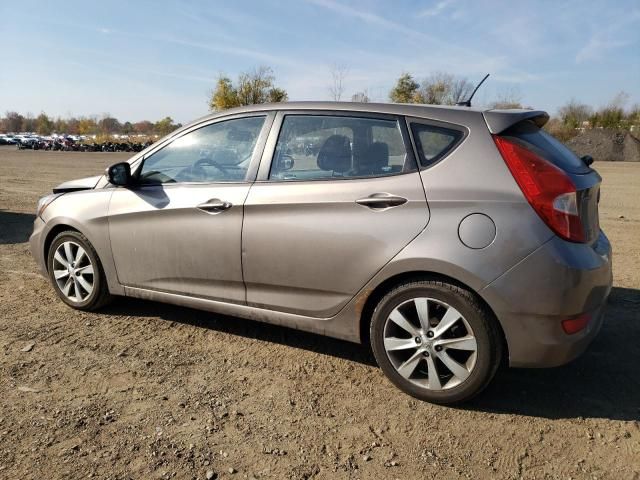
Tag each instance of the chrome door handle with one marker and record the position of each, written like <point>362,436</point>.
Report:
<point>381,200</point>
<point>215,205</point>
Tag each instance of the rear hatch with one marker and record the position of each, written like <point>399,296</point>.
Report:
<point>528,134</point>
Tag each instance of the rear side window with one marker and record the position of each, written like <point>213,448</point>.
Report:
<point>322,147</point>
<point>433,142</point>
<point>531,136</point>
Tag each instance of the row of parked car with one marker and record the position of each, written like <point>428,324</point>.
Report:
<point>69,143</point>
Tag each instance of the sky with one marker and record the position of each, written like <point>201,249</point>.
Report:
<point>144,59</point>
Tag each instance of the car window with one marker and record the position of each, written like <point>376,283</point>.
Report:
<point>220,152</point>
<point>433,142</point>
<point>533,137</point>
<point>317,147</point>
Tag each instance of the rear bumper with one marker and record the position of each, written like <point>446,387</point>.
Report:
<point>560,280</point>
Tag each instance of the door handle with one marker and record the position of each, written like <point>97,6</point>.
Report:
<point>381,201</point>
<point>215,205</point>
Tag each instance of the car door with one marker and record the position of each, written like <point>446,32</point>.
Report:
<point>337,196</point>
<point>178,229</point>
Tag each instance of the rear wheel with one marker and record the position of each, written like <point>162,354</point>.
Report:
<point>435,341</point>
<point>76,272</point>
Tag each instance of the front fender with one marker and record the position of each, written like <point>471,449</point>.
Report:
<point>84,211</point>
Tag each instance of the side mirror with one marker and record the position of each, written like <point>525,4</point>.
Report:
<point>587,159</point>
<point>285,162</point>
<point>119,174</point>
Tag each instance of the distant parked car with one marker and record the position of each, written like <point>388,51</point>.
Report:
<point>451,239</point>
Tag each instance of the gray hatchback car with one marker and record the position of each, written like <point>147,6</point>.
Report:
<point>450,238</point>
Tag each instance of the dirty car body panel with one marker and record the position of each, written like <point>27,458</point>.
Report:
<point>311,252</point>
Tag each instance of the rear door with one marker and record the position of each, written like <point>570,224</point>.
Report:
<point>337,197</point>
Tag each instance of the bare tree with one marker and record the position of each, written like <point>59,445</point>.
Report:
<point>461,89</point>
<point>361,97</point>
<point>574,113</point>
<point>509,98</point>
<point>338,75</point>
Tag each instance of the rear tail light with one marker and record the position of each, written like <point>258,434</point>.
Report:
<point>574,325</point>
<point>547,188</point>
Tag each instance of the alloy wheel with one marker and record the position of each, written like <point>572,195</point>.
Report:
<point>430,344</point>
<point>73,271</point>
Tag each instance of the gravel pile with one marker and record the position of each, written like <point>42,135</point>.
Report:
<point>607,145</point>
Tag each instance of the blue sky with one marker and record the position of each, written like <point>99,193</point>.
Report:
<point>147,59</point>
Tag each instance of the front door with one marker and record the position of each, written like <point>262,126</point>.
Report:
<point>178,229</point>
<point>341,198</point>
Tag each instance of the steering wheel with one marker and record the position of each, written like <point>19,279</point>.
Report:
<point>197,168</point>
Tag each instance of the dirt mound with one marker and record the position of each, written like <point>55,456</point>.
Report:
<point>607,145</point>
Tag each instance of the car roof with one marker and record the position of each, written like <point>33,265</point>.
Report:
<point>444,113</point>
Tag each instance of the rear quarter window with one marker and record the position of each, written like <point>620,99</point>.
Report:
<point>547,146</point>
<point>433,142</point>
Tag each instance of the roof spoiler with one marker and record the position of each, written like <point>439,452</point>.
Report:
<point>499,120</point>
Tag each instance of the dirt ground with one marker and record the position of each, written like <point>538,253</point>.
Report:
<point>143,390</point>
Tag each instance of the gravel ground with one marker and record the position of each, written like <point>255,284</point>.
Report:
<point>143,390</point>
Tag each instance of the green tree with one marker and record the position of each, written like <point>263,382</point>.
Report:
<point>405,89</point>
<point>165,126</point>
<point>257,86</point>
<point>44,125</point>
<point>224,95</point>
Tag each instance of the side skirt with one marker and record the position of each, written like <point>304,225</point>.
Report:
<point>343,326</point>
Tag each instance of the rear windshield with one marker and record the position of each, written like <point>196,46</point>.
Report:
<point>547,146</point>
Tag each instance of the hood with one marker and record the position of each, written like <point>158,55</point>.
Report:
<point>87,183</point>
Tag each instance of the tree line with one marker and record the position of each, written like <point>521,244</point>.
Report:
<point>105,125</point>
<point>259,86</point>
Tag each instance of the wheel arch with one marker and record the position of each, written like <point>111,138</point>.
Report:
<point>389,283</point>
<point>53,233</point>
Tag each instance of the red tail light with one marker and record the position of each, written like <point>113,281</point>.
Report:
<point>547,188</point>
<point>574,325</point>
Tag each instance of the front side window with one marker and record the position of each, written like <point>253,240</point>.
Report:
<point>319,147</point>
<point>220,152</point>
<point>433,143</point>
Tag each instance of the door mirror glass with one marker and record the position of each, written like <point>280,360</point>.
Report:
<point>285,162</point>
<point>119,174</point>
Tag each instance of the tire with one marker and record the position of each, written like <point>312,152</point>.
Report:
<point>416,350</point>
<point>76,279</point>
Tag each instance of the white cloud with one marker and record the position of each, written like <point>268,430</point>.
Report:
<point>597,47</point>
<point>437,9</point>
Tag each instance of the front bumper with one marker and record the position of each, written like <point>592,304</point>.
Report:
<point>559,280</point>
<point>36,244</point>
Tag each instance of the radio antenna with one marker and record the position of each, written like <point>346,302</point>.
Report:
<point>467,102</point>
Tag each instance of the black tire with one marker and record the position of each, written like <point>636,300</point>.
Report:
<point>100,296</point>
<point>481,321</point>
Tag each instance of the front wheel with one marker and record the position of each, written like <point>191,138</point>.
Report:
<point>76,273</point>
<point>435,341</point>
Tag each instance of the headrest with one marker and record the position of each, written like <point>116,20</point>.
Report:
<point>375,158</point>
<point>335,154</point>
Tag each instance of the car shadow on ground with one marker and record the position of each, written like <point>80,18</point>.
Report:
<point>244,328</point>
<point>603,383</point>
<point>15,227</point>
